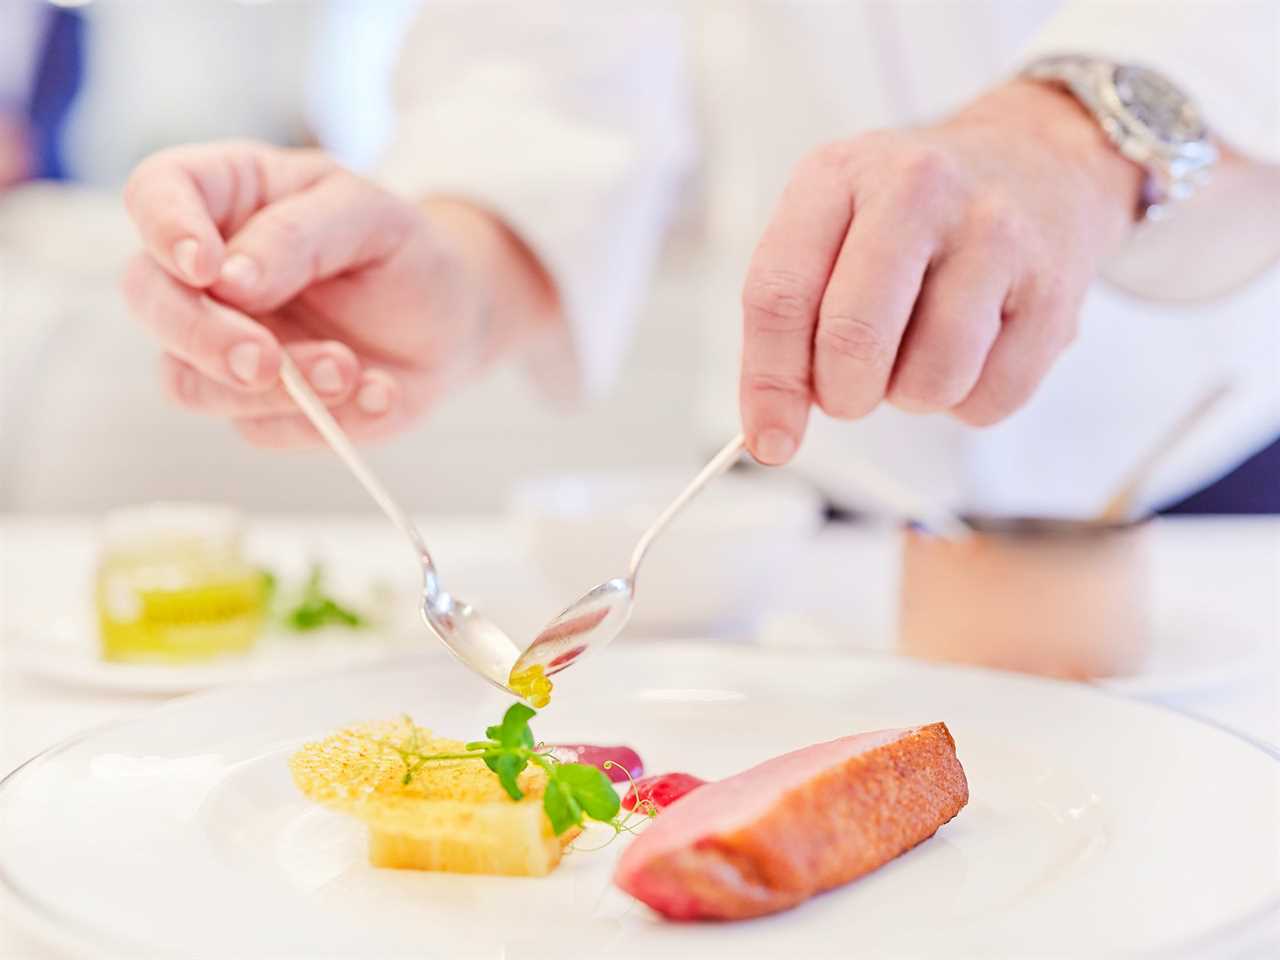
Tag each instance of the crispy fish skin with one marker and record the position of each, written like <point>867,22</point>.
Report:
<point>838,823</point>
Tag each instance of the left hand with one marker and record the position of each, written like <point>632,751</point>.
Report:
<point>940,269</point>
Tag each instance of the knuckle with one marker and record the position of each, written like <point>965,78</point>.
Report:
<point>1000,396</point>
<point>786,385</point>
<point>930,388</point>
<point>829,157</point>
<point>844,398</point>
<point>778,301</point>
<point>848,338</point>
<point>927,171</point>
<point>996,223</point>
<point>285,234</point>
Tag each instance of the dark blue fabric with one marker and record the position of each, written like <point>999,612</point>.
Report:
<point>1252,487</point>
<point>59,71</point>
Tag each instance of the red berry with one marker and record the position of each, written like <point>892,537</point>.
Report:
<point>662,790</point>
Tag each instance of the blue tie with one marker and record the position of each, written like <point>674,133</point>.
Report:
<point>58,74</point>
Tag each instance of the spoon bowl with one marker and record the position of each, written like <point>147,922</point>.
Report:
<point>470,636</point>
<point>589,623</point>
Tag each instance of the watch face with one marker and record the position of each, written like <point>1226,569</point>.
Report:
<point>1158,105</point>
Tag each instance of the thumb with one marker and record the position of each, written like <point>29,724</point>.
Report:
<point>338,224</point>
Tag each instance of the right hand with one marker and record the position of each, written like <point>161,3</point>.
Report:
<point>253,249</point>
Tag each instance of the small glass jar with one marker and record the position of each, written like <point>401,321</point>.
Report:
<point>1052,597</point>
<point>173,585</point>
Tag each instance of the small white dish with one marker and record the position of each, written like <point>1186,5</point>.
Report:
<point>1097,826</point>
<point>66,651</point>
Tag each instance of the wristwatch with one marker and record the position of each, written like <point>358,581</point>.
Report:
<point>1149,119</point>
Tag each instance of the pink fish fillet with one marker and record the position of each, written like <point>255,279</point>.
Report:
<point>775,835</point>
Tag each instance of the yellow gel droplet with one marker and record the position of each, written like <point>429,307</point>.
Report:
<point>533,684</point>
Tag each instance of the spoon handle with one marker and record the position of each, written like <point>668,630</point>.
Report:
<point>298,388</point>
<point>1119,506</point>
<point>718,464</point>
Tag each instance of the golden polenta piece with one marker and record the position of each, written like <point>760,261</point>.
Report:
<point>452,816</point>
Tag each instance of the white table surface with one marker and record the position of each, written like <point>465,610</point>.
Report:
<point>1216,587</point>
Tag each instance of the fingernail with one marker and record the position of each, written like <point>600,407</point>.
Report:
<point>326,375</point>
<point>244,359</point>
<point>240,271</point>
<point>374,398</point>
<point>775,446</point>
<point>185,253</point>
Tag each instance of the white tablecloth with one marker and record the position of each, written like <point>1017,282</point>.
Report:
<point>1216,601</point>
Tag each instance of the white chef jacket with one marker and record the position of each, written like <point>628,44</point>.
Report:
<point>646,143</point>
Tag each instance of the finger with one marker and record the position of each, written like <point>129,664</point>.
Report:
<point>955,322</point>
<point>330,367</point>
<point>1030,340</point>
<point>867,305</point>
<point>780,299</point>
<point>376,410</point>
<point>221,343</point>
<point>337,224</point>
<point>186,198</point>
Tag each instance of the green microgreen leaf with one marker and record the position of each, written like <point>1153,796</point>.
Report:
<point>562,809</point>
<point>515,732</point>
<point>508,767</point>
<point>590,788</point>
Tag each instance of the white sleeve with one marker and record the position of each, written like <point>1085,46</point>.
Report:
<point>1225,53</point>
<point>572,125</point>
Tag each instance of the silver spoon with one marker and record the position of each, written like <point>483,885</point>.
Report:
<point>472,638</point>
<point>594,620</point>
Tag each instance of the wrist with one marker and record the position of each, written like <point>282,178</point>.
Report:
<point>1054,120</point>
<point>517,299</point>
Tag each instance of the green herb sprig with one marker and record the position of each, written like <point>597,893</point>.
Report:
<point>574,791</point>
<point>316,608</point>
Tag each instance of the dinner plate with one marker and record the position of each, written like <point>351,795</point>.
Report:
<point>1096,825</point>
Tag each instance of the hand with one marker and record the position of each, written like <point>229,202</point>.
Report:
<point>252,249</point>
<point>15,150</point>
<point>940,269</point>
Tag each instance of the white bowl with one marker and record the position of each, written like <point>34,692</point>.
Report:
<point>711,569</point>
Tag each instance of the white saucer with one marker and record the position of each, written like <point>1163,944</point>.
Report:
<point>66,651</point>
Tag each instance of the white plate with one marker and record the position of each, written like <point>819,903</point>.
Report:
<point>1096,826</point>
<point>66,651</point>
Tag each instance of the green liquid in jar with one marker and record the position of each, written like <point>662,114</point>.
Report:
<point>205,617</point>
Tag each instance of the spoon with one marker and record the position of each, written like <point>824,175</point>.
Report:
<point>471,637</point>
<point>594,620</point>
<point>1119,506</point>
